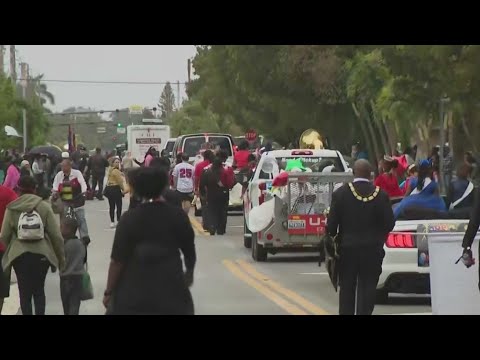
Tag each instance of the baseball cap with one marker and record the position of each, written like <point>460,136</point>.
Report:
<point>65,155</point>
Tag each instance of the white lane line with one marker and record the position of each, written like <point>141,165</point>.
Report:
<point>414,314</point>
<point>12,303</point>
<point>320,273</point>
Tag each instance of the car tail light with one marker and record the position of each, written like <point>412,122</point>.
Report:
<point>262,186</point>
<point>295,153</point>
<point>400,241</point>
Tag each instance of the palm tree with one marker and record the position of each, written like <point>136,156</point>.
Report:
<point>41,91</point>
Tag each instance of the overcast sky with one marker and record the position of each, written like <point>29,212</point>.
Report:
<point>156,63</point>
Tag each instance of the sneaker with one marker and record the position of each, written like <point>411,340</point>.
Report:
<point>112,225</point>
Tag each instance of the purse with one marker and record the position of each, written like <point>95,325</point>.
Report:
<point>87,287</point>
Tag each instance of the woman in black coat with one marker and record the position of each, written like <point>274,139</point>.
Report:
<point>146,272</point>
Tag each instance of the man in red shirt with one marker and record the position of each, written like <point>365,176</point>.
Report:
<point>7,195</point>
<point>199,168</point>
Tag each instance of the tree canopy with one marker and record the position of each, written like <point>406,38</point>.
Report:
<point>378,95</point>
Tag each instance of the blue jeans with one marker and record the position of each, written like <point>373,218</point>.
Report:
<point>81,220</point>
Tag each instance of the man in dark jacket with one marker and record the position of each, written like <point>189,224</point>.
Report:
<point>97,165</point>
<point>361,215</point>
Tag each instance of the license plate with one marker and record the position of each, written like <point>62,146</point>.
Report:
<point>297,224</point>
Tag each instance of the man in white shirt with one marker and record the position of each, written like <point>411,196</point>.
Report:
<point>69,185</point>
<point>38,169</point>
<point>184,181</point>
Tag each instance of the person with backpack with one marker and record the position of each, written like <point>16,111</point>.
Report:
<point>33,242</point>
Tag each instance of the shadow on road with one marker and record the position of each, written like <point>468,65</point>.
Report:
<point>405,299</point>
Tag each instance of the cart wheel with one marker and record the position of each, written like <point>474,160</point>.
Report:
<point>258,251</point>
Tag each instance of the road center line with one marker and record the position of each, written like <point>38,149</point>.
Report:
<point>198,227</point>
<point>269,294</point>
<point>263,279</point>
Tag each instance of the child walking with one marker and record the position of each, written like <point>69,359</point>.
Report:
<point>71,277</point>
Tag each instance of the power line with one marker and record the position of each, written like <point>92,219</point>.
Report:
<point>109,82</point>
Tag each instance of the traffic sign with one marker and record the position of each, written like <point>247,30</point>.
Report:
<point>101,130</point>
<point>121,130</point>
<point>251,135</point>
<point>135,110</point>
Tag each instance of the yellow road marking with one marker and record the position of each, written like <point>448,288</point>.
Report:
<point>269,294</point>
<point>263,279</point>
<point>197,226</point>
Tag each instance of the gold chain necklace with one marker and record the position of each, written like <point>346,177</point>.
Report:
<point>361,198</point>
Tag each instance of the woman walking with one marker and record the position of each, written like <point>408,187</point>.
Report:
<point>13,173</point>
<point>114,191</point>
<point>215,184</point>
<point>33,242</point>
<point>146,275</point>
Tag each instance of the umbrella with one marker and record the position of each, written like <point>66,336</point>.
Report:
<point>51,151</point>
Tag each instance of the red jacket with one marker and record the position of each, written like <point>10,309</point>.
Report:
<point>389,184</point>
<point>7,195</point>
<point>227,177</point>
<point>198,172</point>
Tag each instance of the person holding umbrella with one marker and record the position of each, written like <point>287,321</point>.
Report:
<point>360,219</point>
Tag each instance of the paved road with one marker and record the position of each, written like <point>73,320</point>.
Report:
<point>227,281</point>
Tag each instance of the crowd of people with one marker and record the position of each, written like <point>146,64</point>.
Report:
<point>49,202</point>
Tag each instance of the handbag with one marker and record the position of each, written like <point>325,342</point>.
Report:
<point>87,287</point>
<point>107,192</point>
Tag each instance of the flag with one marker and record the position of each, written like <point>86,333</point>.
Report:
<point>70,139</point>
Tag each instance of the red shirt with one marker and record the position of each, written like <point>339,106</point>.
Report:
<point>7,195</point>
<point>198,172</point>
<point>389,184</point>
<point>241,158</point>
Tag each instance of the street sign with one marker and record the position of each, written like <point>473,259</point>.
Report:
<point>153,121</point>
<point>101,130</point>
<point>251,135</point>
<point>135,110</point>
<point>121,130</point>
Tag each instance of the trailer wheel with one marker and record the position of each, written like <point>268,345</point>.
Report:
<point>258,251</point>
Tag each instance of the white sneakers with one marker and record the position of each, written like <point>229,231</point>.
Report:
<point>112,225</point>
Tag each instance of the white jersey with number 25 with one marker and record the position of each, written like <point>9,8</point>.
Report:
<point>184,177</point>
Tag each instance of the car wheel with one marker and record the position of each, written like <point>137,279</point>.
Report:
<point>198,212</point>
<point>381,296</point>
<point>258,251</point>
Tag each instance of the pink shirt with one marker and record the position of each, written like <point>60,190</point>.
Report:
<point>148,160</point>
<point>13,175</point>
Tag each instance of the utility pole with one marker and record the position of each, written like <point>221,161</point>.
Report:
<point>189,70</point>
<point>13,64</point>
<point>2,51</point>
<point>443,101</point>
<point>24,71</point>
<point>178,95</point>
